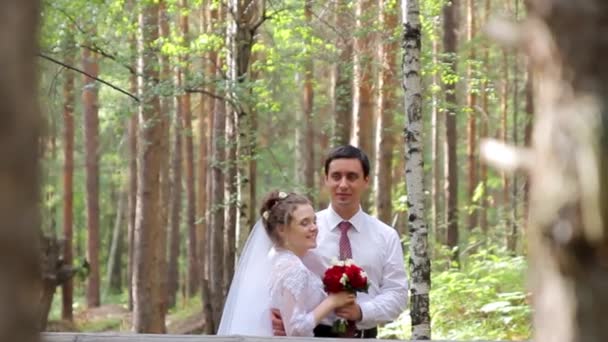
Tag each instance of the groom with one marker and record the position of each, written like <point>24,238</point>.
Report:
<point>345,231</point>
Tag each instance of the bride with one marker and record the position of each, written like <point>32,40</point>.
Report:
<point>271,274</point>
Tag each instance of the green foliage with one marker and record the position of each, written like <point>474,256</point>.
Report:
<point>485,299</point>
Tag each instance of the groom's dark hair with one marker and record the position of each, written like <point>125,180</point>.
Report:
<point>347,152</point>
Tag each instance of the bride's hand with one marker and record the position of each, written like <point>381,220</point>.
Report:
<point>342,298</point>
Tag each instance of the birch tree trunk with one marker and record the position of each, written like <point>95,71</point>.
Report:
<point>414,174</point>
<point>20,127</point>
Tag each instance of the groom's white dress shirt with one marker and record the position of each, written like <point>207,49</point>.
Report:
<point>376,248</point>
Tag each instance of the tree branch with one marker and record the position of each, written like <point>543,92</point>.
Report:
<point>51,59</point>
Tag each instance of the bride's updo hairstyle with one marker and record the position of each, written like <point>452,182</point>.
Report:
<point>277,209</point>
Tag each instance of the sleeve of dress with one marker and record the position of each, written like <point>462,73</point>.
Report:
<point>295,303</point>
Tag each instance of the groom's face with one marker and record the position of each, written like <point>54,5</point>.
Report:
<point>346,182</point>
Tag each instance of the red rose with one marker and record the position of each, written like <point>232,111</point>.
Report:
<point>331,279</point>
<point>357,278</point>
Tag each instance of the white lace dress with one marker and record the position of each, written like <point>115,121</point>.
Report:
<point>296,292</point>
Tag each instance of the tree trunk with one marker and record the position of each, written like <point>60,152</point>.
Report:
<point>450,22</point>
<point>342,90</point>
<point>247,16</point>
<point>148,310</point>
<point>193,276</point>
<point>305,130</point>
<point>216,265</point>
<point>504,104</point>
<point>166,102</point>
<point>414,174</point>
<point>568,168</point>
<point>385,107</point>
<point>176,207</point>
<point>20,127</point>
<point>527,141</point>
<point>133,129</point>
<point>114,265</point>
<point>68,185</point>
<point>471,121</point>
<point>484,131</point>
<point>204,112</point>
<point>91,138</point>
<point>205,255</point>
<point>436,155</point>
<point>363,104</point>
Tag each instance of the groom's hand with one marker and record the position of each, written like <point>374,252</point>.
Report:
<point>278,329</point>
<point>351,312</point>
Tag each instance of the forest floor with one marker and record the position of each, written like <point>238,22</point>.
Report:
<point>186,318</point>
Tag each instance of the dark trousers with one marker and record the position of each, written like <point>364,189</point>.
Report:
<point>323,330</point>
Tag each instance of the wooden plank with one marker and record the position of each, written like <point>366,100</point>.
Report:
<point>131,337</point>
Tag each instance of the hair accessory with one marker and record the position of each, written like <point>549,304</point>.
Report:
<point>265,215</point>
<point>282,195</point>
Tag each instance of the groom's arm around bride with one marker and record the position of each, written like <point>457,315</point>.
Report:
<point>346,231</point>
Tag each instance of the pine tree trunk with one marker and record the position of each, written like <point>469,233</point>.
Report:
<point>436,155</point>
<point>68,186</point>
<point>213,19</point>
<point>148,309</point>
<point>20,128</point>
<point>165,181</point>
<point>363,105</point>
<point>527,141</point>
<point>133,129</point>
<point>203,114</point>
<point>568,168</point>
<point>233,37</point>
<point>216,261</point>
<point>450,22</point>
<point>216,199</point>
<point>506,183</point>
<point>193,276</point>
<point>385,107</point>
<point>342,92</point>
<point>91,138</point>
<point>305,129</point>
<point>114,265</point>
<point>471,121</point>
<point>414,175</point>
<point>484,132</point>
<point>175,213</point>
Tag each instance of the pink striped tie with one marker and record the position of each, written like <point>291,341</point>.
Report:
<point>345,250</point>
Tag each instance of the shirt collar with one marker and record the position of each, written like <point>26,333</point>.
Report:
<point>356,221</point>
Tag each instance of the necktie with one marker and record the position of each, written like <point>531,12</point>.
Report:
<point>346,253</point>
<point>345,250</point>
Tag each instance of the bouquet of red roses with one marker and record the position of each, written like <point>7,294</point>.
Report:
<point>344,276</point>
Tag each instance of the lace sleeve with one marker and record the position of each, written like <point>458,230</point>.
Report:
<point>298,297</point>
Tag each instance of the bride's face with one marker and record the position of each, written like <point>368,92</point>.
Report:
<point>301,234</point>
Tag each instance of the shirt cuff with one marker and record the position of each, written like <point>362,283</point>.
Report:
<point>367,315</point>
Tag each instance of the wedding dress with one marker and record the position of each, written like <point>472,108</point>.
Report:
<point>270,278</point>
<point>296,292</point>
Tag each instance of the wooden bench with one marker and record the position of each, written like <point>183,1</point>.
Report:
<point>126,337</point>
